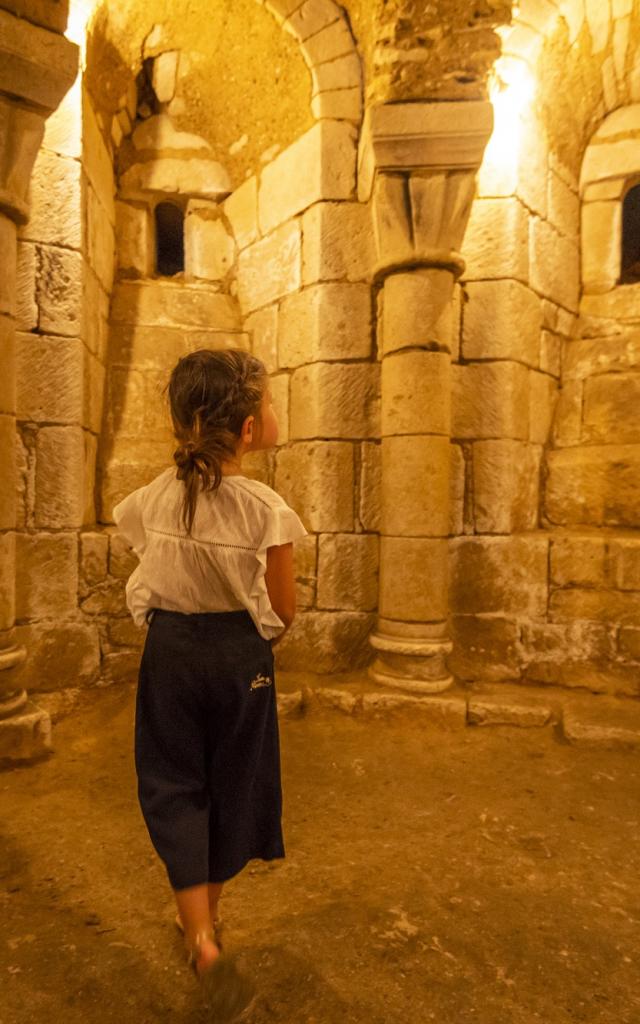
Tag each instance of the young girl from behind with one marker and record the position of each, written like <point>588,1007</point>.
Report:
<point>215,584</point>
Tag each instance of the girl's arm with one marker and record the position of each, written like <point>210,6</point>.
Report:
<point>281,585</point>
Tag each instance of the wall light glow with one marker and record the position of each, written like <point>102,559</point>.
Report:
<point>511,90</point>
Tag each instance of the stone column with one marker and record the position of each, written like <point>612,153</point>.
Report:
<point>417,164</point>
<point>37,66</point>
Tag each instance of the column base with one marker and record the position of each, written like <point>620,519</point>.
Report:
<point>415,663</point>
<point>25,736</point>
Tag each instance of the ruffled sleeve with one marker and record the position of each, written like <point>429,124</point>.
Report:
<point>282,526</point>
<point>127,515</point>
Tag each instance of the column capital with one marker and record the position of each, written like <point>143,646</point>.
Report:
<point>405,137</point>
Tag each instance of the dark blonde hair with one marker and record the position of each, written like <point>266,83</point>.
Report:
<point>211,392</point>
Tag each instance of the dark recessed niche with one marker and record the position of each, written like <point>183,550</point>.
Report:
<point>169,222</point>
<point>630,266</point>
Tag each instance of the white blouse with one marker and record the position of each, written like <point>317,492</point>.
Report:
<point>221,566</point>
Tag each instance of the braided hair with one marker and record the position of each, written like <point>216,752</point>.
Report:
<point>211,392</point>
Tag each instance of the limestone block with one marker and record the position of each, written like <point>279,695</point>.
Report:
<point>629,642</point>
<point>8,580</point>
<point>116,132</point>
<point>415,486</point>
<point>101,245</point>
<point>484,648</point>
<point>302,472</point>
<point>550,353</point>
<point>17,469</point>
<point>620,305</point>
<point>490,400</point>
<point>60,653</point>
<point>602,724</point>
<point>56,208</point>
<point>339,641</point>
<point>456,489</point>
<point>543,397</point>
<point>456,322</point>
<point>263,330</point>
<point>270,268</point>
<point>151,347</point>
<point>106,599</point>
<point>325,322</point>
<point>120,667</point>
<point>533,154</point>
<point>336,242</point>
<point>9,372</point>
<point>624,555</point>
<point>369,493</point>
<point>305,558</point>
<point>503,575</point>
<point>47,575</point>
<point>413,579</point>
<point>8,281</point>
<point>59,291</point>
<point>619,157</point>
<point>330,42</point>
<point>26,306</point>
<point>598,20</point>
<point>196,176</point>
<point>97,162</point>
<point>60,456</point>
<point>340,73</point>
<point>93,393</point>
<point>554,264</point>
<point>339,104</point>
<point>578,561</point>
<point>49,378</point>
<point>496,241</point>
<point>280,392</point>
<point>94,314</point>
<point>335,400</point>
<point>209,248</point>
<point>416,393</point>
<point>567,425</point>
<point>597,605</point>
<point>510,708</point>
<point>501,320</point>
<point>125,633</point>
<point>167,304</point>
<point>25,736</point>
<point>583,358</point>
<point>319,166</point>
<point>610,189</point>
<point>63,129</point>
<point>348,571</point>
<point>417,309</point>
<point>94,548</point>
<point>612,408</point>
<point>598,486</point>
<point>563,207</point>
<point>441,712</point>
<point>241,209</point>
<point>122,560</point>
<point>89,478</point>
<point>311,17</point>
<point>163,76</point>
<point>281,9</point>
<point>601,245</point>
<point>506,486</point>
<point>569,653</point>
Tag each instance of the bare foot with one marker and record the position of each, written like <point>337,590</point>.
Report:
<point>207,954</point>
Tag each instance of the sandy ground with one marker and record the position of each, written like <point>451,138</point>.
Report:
<point>483,875</point>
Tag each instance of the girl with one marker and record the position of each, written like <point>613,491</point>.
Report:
<point>215,583</point>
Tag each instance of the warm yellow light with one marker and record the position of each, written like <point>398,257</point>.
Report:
<point>80,13</point>
<point>511,90</point>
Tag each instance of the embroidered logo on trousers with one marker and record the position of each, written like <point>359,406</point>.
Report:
<point>259,681</point>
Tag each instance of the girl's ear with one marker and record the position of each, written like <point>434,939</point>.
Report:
<point>247,430</point>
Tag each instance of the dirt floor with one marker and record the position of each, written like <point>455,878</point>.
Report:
<point>488,874</point>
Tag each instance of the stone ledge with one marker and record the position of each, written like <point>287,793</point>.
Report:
<point>25,737</point>
<point>602,722</point>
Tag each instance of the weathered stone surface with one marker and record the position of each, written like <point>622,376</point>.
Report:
<point>167,304</point>
<point>543,397</point>
<point>120,667</point>
<point>133,238</point>
<point>209,248</point>
<point>563,206</point>
<point>325,322</point>
<point>339,641</point>
<point>567,424</point>
<point>348,571</point>
<point>551,347</point>
<point>336,242</point>
<point>406,378</point>
<point>503,575</point>
<point>59,653</point>
<point>601,245</point>
<point>8,256</point>
<point>60,457</point>
<point>47,574</point>
<point>165,67</point>
<point>335,400</point>
<point>7,578</point>
<point>302,472</point>
<point>270,268</point>
<point>609,312</point>
<point>196,176</point>
<point>241,209</point>
<point>570,653</point>
<point>509,705</point>
<point>97,162</point>
<point>484,648</point>
<point>263,330</point>
<point>339,700</point>
<point>612,409</point>
<point>93,393</point>
<point>330,42</point>
<point>501,320</point>
<point>602,722</point>
<point>319,166</point>
<point>93,557</point>
<point>56,216</point>
<point>125,633</point>
<point>490,400</point>
<point>340,73</point>
<point>415,486</point>
<point>280,392</point>
<point>506,486</point>
<point>596,605</point>
<point>340,104</point>
<point>417,309</point>
<point>9,360</point>
<point>50,373</point>
<point>585,357</point>
<point>153,347</point>
<point>445,712</point>
<point>59,291</point>
<point>26,306</point>
<point>578,560</point>
<point>554,264</point>
<point>105,599</point>
<point>101,244</point>
<point>25,737</point>
<point>131,465</point>
<point>417,592</point>
<point>496,241</point>
<point>95,315</point>
<point>598,485</point>
<point>89,478</point>
<point>457,472</point>
<point>629,642</point>
<point>370,486</point>
<point>311,17</point>
<point>624,562</point>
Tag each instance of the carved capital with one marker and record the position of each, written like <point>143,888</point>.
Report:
<point>37,66</point>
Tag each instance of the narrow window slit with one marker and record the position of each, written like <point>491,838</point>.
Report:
<point>169,222</point>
